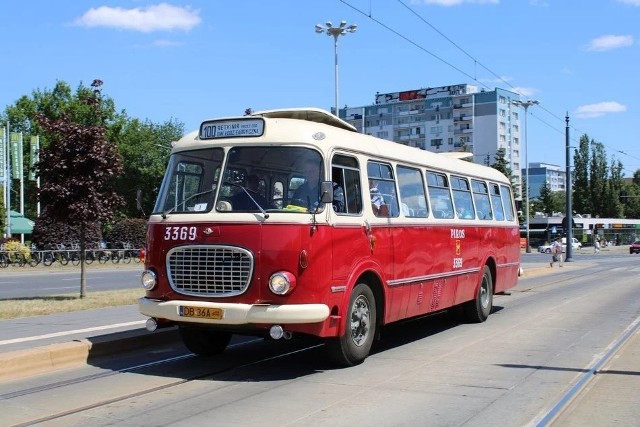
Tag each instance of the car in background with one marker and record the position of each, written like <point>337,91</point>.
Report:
<point>575,245</point>
<point>635,247</point>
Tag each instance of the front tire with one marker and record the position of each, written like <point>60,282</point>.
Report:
<point>204,342</point>
<point>353,347</point>
<point>478,309</point>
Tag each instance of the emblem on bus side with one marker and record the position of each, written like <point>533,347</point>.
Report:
<point>319,136</point>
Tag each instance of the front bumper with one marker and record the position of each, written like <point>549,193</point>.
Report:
<point>237,314</point>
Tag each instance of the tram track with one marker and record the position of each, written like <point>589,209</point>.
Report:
<point>583,382</point>
<point>145,391</point>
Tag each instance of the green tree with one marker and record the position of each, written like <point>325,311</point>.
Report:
<point>615,185</point>
<point>546,200</point>
<point>145,148</point>
<point>631,203</point>
<point>79,166</point>
<point>598,176</point>
<point>502,165</point>
<point>52,104</point>
<point>581,195</point>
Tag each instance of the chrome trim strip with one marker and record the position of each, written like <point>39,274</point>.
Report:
<point>336,289</point>
<point>399,282</point>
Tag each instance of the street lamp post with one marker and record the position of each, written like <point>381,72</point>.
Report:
<point>526,105</point>
<point>336,32</point>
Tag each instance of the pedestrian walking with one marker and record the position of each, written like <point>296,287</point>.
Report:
<point>556,252</point>
<point>596,246</point>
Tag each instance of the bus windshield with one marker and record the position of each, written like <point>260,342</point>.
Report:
<point>254,179</point>
<point>274,177</point>
<point>188,185</point>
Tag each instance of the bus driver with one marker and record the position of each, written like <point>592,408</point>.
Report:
<point>308,193</point>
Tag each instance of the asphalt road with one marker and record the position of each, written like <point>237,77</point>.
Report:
<point>28,282</point>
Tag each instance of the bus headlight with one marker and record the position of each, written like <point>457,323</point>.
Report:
<point>148,279</point>
<point>282,283</point>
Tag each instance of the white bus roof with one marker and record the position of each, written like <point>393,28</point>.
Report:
<point>322,129</point>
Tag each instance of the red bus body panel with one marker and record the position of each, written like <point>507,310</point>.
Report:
<point>419,268</point>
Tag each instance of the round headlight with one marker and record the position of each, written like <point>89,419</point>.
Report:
<point>148,279</point>
<point>282,283</point>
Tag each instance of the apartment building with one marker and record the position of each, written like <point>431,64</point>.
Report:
<point>540,173</point>
<point>456,118</point>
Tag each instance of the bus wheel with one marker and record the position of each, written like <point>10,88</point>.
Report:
<point>478,309</point>
<point>203,341</point>
<point>354,346</point>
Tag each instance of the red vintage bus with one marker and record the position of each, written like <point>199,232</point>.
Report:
<point>290,222</point>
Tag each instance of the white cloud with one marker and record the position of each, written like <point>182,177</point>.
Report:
<point>166,43</point>
<point>609,42</point>
<point>455,2</point>
<point>599,109</point>
<point>527,92</point>
<point>161,17</point>
<point>630,2</point>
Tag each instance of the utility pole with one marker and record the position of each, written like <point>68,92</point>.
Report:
<point>569,214</point>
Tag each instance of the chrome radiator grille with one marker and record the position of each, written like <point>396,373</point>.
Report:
<point>209,271</point>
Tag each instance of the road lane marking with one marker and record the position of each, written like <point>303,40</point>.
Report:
<point>76,331</point>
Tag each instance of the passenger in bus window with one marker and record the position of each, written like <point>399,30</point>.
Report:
<point>242,201</point>
<point>338,198</point>
<point>338,192</point>
<point>376,196</point>
<point>308,193</point>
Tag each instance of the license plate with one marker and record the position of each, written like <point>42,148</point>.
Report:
<point>201,312</point>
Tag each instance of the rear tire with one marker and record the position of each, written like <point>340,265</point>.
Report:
<point>47,258</point>
<point>204,342</point>
<point>353,347</point>
<point>478,309</point>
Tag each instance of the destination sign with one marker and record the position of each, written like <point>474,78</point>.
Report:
<point>231,128</point>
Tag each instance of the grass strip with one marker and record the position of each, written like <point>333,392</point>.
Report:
<point>41,306</point>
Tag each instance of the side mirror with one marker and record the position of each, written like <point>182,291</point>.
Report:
<point>326,192</point>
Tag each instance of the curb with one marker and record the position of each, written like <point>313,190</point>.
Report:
<point>22,363</point>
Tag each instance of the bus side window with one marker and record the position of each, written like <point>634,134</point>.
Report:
<point>505,192</point>
<point>462,198</point>
<point>481,197</point>
<point>439,195</point>
<point>382,186</point>
<point>412,195</point>
<point>346,175</point>
<point>496,200</point>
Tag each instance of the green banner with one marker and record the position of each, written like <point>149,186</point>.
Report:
<point>3,150</point>
<point>16,148</point>
<point>33,158</point>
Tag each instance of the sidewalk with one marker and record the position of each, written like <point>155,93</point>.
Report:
<point>38,344</point>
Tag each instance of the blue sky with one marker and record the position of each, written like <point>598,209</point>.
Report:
<point>200,59</point>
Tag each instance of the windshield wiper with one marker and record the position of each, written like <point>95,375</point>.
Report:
<point>182,203</point>
<point>264,213</point>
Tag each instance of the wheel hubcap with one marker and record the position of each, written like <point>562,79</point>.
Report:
<point>360,320</point>
<point>484,293</point>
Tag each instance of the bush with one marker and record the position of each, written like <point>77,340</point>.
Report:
<point>47,233</point>
<point>12,247</point>
<point>131,230</point>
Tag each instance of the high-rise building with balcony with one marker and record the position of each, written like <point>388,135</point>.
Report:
<point>544,173</point>
<point>456,118</point>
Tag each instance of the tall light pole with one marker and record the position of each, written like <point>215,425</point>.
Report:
<point>526,105</point>
<point>336,32</point>
<point>569,210</point>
